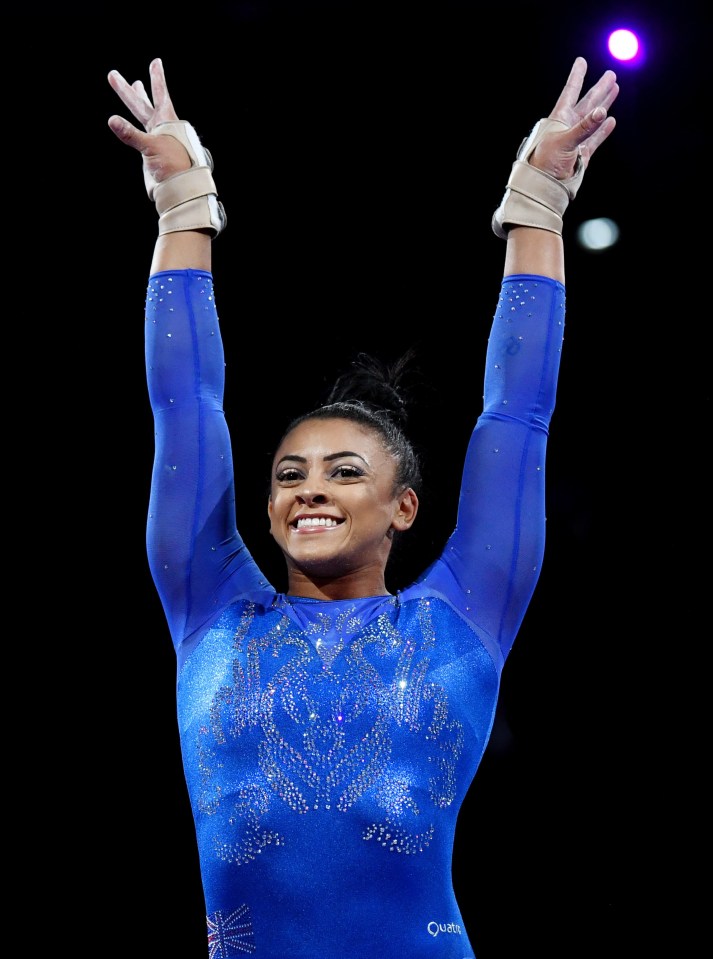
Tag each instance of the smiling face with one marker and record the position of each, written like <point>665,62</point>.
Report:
<point>333,508</point>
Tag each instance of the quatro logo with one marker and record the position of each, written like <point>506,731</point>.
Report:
<point>435,928</point>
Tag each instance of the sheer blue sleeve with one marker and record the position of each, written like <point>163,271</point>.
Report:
<point>492,561</point>
<point>196,556</point>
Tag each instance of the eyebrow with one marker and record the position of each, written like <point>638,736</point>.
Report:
<point>294,458</point>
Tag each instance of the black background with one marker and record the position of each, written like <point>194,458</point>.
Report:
<point>360,149</point>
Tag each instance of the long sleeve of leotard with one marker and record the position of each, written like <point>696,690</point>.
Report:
<point>196,555</point>
<point>492,561</point>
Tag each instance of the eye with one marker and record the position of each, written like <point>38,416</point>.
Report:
<point>347,472</point>
<point>288,475</point>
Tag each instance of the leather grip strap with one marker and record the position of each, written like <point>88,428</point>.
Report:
<point>187,200</point>
<point>533,197</point>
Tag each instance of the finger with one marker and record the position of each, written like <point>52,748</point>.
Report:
<point>159,90</point>
<point>611,94</point>
<point>128,133</point>
<point>140,90</point>
<point>597,137</point>
<point>572,88</point>
<point>134,97</point>
<point>602,94</point>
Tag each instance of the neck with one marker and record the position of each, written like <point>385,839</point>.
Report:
<point>356,585</point>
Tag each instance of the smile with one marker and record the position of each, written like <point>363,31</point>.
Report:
<point>313,522</point>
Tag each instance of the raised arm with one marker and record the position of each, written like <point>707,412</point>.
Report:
<point>196,555</point>
<point>492,561</point>
<point>548,172</point>
<point>177,173</point>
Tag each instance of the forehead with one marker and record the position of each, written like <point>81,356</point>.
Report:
<point>319,438</point>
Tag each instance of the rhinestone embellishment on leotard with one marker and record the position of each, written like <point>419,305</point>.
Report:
<point>322,730</point>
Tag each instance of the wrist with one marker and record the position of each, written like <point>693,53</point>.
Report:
<point>187,200</point>
<point>533,197</point>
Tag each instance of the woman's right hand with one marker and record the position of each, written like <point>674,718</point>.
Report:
<point>163,155</point>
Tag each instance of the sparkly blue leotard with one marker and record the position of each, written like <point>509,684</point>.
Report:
<point>328,746</point>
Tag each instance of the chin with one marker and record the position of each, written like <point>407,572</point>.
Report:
<point>324,567</point>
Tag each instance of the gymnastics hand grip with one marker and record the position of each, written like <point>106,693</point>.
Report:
<point>187,200</point>
<point>533,197</point>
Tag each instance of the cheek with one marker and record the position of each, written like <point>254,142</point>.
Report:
<point>278,505</point>
<point>377,506</point>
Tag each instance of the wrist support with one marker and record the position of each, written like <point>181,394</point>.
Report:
<point>187,200</point>
<point>533,197</point>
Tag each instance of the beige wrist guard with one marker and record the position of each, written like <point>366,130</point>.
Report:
<point>533,197</point>
<point>187,200</point>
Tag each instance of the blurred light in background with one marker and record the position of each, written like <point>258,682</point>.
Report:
<point>598,234</point>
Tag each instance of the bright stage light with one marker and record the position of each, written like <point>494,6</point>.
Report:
<point>626,47</point>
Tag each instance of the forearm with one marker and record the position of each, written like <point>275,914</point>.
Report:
<point>535,251</point>
<point>188,249</point>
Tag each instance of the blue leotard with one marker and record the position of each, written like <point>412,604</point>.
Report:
<point>328,746</point>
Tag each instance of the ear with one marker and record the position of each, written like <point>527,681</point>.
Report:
<point>406,511</point>
<point>269,512</point>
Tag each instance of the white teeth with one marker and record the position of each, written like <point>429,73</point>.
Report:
<point>315,521</point>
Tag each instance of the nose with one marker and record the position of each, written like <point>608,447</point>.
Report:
<point>311,496</point>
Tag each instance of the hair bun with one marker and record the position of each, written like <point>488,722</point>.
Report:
<point>376,384</point>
